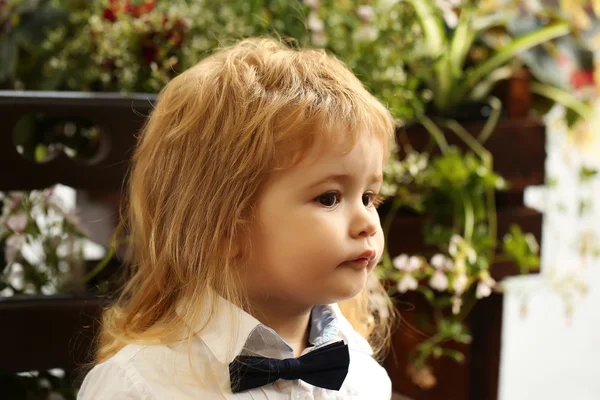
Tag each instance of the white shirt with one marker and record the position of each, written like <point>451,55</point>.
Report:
<point>164,371</point>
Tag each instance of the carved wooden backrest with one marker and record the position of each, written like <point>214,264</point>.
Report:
<point>42,332</point>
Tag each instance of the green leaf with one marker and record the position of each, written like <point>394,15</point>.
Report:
<point>41,153</point>
<point>518,45</point>
<point>433,26</point>
<point>454,354</point>
<point>563,97</point>
<point>428,293</point>
<point>8,55</point>
<point>461,42</point>
<point>586,174</point>
<point>522,249</point>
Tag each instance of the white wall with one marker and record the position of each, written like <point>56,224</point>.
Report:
<point>551,322</point>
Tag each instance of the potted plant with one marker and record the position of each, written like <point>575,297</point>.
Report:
<point>445,187</point>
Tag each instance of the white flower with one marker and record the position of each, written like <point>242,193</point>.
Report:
<point>55,396</point>
<point>460,265</point>
<point>471,255</point>
<point>16,277</point>
<point>408,282</point>
<point>372,283</point>
<point>460,283</point>
<point>401,262</point>
<point>314,23</point>
<point>483,290</point>
<point>456,305</point>
<point>12,246</point>
<point>379,303</point>
<point>365,34</point>
<point>448,9</point>
<point>17,222</point>
<point>439,281</point>
<point>319,39</point>
<point>365,13</point>
<point>414,263</point>
<point>312,3</point>
<point>455,241</point>
<point>439,261</point>
<point>485,285</point>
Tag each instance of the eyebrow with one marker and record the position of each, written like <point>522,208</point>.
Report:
<point>343,178</point>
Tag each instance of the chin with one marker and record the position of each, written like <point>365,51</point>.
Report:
<point>349,287</point>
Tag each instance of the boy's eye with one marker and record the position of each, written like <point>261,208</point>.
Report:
<point>329,199</point>
<point>369,199</point>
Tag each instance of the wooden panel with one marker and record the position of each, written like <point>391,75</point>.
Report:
<point>43,332</point>
<point>518,148</point>
<point>475,379</point>
<point>118,117</point>
<point>406,237</point>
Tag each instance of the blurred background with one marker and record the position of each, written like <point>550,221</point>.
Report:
<point>492,229</point>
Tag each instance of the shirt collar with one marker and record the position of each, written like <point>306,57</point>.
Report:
<point>231,330</point>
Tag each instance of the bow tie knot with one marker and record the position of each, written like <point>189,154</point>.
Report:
<point>290,368</point>
<point>325,367</point>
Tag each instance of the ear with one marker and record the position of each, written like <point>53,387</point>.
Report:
<point>234,250</point>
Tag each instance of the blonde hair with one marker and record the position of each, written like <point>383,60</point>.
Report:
<point>216,133</point>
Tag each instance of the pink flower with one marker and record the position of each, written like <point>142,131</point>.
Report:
<point>17,222</point>
<point>582,78</point>
<point>17,197</point>
<point>365,13</point>
<point>12,247</point>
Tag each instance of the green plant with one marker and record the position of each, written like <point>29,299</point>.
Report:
<point>138,46</point>
<point>23,25</point>
<point>455,189</point>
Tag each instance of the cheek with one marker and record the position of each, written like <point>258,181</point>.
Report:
<point>379,242</point>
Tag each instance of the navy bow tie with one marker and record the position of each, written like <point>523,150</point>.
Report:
<point>324,367</point>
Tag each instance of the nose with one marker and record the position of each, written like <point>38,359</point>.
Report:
<point>365,222</point>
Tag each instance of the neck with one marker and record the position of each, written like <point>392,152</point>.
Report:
<point>291,322</point>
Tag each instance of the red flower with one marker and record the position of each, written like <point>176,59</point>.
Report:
<point>110,15</point>
<point>582,78</point>
<point>149,53</point>
<point>135,10</point>
<point>138,9</point>
<point>176,34</point>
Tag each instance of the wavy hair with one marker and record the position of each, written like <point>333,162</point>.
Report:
<point>217,131</point>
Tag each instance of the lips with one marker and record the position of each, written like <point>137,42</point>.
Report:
<point>367,254</point>
<point>363,260</point>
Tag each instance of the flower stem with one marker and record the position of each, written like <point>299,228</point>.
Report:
<point>436,132</point>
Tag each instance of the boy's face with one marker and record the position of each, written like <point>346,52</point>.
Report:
<point>317,233</point>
